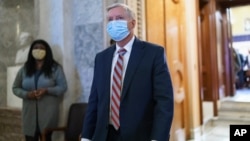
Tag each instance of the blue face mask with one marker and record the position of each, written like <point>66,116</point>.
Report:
<point>118,29</point>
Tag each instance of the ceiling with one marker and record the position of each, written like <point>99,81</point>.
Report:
<point>232,3</point>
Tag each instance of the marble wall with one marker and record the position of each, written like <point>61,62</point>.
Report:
<point>16,16</point>
<point>89,38</point>
<point>75,30</point>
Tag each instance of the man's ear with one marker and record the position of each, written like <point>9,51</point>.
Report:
<point>133,23</point>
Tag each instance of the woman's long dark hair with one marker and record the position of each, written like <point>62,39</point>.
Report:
<point>48,64</point>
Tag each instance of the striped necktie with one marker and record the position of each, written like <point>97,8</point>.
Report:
<point>117,89</point>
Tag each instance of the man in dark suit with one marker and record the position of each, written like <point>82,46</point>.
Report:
<point>136,105</point>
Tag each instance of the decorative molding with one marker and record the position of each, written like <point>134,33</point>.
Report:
<point>178,77</point>
<point>138,6</point>
<point>176,1</point>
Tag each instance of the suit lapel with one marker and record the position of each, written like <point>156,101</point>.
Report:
<point>134,60</point>
<point>108,61</point>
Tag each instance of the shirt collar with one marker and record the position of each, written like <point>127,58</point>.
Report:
<point>128,46</point>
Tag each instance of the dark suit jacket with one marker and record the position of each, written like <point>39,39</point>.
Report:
<point>146,108</point>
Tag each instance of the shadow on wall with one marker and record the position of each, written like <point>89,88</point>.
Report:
<point>2,84</point>
<point>57,52</point>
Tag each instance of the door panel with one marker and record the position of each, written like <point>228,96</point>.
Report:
<point>164,27</point>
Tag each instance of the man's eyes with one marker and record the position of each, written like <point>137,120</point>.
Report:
<point>116,18</point>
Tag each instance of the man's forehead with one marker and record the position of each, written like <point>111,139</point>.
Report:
<point>116,10</point>
<point>117,14</point>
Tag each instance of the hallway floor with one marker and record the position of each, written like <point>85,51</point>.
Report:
<point>219,131</point>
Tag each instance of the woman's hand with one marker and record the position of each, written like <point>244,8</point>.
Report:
<point>32,95</point>
<point>41,92</point>
<point>37,94</point>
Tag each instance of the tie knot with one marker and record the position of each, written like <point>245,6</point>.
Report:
<point>122,51</point>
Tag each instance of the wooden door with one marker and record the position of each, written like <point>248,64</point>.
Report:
<point>209,55</point>
<point>164,26</point>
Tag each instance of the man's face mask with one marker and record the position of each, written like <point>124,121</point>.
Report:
<point>118,29</point>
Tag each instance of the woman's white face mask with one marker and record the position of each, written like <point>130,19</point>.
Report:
<point>38,54</point>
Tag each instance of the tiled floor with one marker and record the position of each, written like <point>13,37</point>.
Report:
<point>242,95</point>
<point>215,133</point>
<point>220,132</point>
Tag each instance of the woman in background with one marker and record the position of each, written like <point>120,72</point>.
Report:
<point>40,83</point>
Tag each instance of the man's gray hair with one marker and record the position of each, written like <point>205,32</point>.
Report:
<point>128,10</point>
